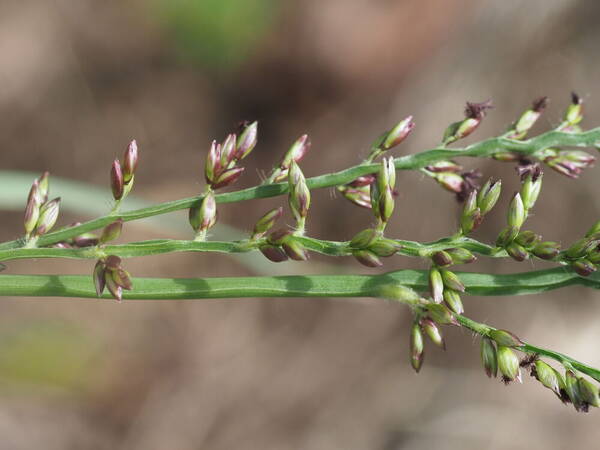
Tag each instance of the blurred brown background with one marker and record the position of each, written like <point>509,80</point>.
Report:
<point>79,79</point>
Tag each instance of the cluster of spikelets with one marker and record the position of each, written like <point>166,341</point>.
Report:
<point>442,305</point>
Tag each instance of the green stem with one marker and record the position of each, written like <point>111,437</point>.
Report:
<point>309,286</point>
<point>408,162</point>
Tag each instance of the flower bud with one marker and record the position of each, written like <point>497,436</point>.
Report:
<point>365,238</point>
<point>582,247</point>
<point>116,180</point>
<point>450,181</point>
<point>294,249</point>
<point>528,119</point>
<point>299,194</point>
<point>470,221</point>
<point>416,347</point>
<point>583,267</point>
<point>48,216</point>
<point>397,292</point>
<point>122,278</point>
<point>115,290</point>
<point>452,299</point>
<point>546,375</point>
<point>588,392</point>
<point>506,236</point>
<point>574,112</point>
<point>436,285</point>
<point>203,215</point>
<point>362,181</point>
<point>384,247</point>
<point>273,253</point>
<point>444,166</point>
<point>32,209</point>
<point>546,250</point>
<point>516,212</point>
<point>527,238</point>
<point>397,134</point>
<point>505,338</point>
<point>360,196</point>
<point>508,363</point>
<point>113,262</point>
<point>213,168</point>
<point>296,152</point>
<point>367,258</point>
<point>111,231</point>
<point>474,113</point>
<point>506,156</point>
<point>442,258</point>
<point>432,330</point>
<point>572,390</point>
<point>247,141</point>
<point>441,314</point>
<point>517,252</point>
<point>489,357</point>
<point>130,161</point>
<point>460,255</point>
<point>266,222</point>
<point>98,277</point>
<point>530,190</point>
<point>228,151</point>
<point>43,183</point>
<point>488,196</point>
<point>227,177</point>
<point>277,237</point>
<point>452,281</point>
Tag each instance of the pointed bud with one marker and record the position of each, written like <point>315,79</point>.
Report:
<point>583,267</point>
<point>266,222</point>
<point>299,194</point>
<point>436,285</point>
<point>213,167</point>
<point>432,330</point>
<point>296,152</point>
<point>474,113</point>
<point>360,196</point>
<point>367,258</point>
<point>546,250</point>
<point>508,364</point>
<point>384,247</point>
<point>227,177</point>
<point>397,134</point>
<point>228,151</point>
<point>546,375</point>
<point>517,252</point>
<point>294,249</point>
<point>488,357</point>
<point>460,255</point>
<point>444,166</point>
<point>115,290</point>
<point>416,347</point>
<point>574,112</point>
<point>43,183</point>
<point>505,338</point>
<point>442,258</point>
<point>471,215</point>
<point>130,161</point>
<point>582,247</point>
<point>452,299</point>
<point>122,278</point>
<point>273,253</point>
<point>452,281</point>
<point>397,292</point>
<point>365,238</point>
<point>488,196</point>
<point>111,232</point>
<point>203,215</point>
<point>441,314</point>
<point>98,277</point>
<point>116,180</point>
<point>530,190</point>
<point>247,141</point>
<point>572,390</point>
<point>506,236</point>
<point>516,212</point>
<point>48,216</point>
<point>588,392</point>
<point>32,209</point>
<point>527,238</point>
<point>450,181</point>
